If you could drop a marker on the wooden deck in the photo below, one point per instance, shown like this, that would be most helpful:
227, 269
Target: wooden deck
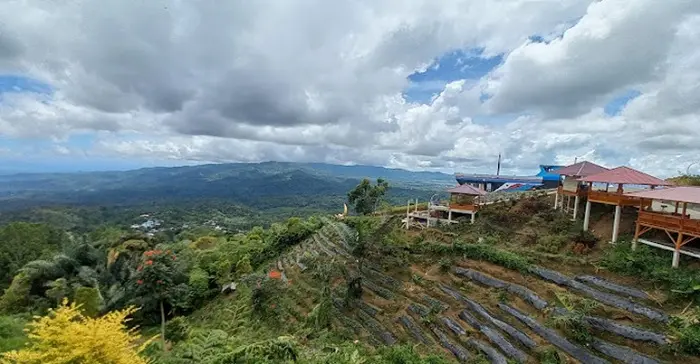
614, 198
673, 223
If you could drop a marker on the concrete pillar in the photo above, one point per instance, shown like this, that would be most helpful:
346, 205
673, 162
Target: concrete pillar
587, 216
408, 213
676, 258
616, 223
556, 200
449, 216
576, 201
473, 216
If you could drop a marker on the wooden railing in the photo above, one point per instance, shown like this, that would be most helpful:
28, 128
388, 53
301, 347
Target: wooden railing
614, 198
675, 223
581, 191
455, 206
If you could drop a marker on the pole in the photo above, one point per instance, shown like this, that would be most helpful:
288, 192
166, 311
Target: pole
498, 169
587, 216
616, 223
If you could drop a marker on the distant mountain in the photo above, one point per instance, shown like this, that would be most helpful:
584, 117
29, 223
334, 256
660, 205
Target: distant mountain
270, 184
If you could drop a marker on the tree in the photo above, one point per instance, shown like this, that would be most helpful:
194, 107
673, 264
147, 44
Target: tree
21, 243
157, 281
365, 197
65, 335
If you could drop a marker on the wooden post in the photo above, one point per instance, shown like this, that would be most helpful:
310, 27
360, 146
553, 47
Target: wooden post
556, 199
408, 213
587, 216
449, 215
636, 234
616, 223
416, 207
677, 205
576, 201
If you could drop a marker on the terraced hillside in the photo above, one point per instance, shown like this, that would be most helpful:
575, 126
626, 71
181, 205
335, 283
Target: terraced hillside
475, 302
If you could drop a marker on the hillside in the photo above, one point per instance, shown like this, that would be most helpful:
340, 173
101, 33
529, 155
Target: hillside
472, 293
523, 284
258, 193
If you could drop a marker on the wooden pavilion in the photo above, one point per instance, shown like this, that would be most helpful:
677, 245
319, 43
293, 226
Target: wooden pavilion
464, 199
570, 186
620, 176
681, 226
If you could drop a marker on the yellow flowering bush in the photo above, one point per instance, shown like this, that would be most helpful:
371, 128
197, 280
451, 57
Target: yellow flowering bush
66, 336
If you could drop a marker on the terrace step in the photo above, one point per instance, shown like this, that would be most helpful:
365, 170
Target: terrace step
553, 337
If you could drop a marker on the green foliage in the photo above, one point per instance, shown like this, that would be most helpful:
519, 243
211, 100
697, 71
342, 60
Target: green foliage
12, 334
686, 329
21, 242
573, 323
446, 264
89, 300
492, 254
365, 198
177, 330
264, 299
549, 355
406, 354
279, 350
551, 243
647, 264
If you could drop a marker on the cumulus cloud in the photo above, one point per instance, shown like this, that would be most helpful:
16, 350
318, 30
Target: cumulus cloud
312, 80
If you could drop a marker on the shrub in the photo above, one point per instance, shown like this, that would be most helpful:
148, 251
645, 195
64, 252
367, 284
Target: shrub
493, 255
551, 243
89, 300
176, 330
648, 265
446, 264
65, 335
12, 335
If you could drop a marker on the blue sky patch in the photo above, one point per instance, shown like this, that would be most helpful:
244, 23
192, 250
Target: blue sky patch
614, 107
452, 66
14, 83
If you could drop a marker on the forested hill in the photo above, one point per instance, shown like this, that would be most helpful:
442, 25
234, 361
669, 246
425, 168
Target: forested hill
255, 193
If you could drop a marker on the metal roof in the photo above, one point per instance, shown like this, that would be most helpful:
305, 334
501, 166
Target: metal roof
680, 194
467, 190
625, 176
581, 169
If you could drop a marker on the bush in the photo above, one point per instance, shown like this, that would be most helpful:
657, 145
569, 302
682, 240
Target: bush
12, 335
177, 330
493, 255
67, 336
645, 263
89, 299
446, 264
551, 243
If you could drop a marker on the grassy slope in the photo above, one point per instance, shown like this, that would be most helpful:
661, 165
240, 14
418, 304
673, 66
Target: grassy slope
515, 236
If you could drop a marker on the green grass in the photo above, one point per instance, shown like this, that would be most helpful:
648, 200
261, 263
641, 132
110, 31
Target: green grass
12, 335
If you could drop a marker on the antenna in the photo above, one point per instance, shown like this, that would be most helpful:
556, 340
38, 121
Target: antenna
498, 170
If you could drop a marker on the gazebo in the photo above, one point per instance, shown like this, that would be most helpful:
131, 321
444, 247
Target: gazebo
570, 186
464, 199
681, 226
620, 176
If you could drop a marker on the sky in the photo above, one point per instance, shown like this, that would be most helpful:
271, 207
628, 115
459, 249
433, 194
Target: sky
416, 84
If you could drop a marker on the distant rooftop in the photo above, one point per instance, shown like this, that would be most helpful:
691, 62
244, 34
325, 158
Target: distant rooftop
680, 194
581, 169
625, 176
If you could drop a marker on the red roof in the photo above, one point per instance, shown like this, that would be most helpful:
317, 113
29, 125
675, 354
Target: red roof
625, 176
581, 169
467, 189
681, 194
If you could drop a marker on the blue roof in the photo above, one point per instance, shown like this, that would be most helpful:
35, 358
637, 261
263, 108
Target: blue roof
548, 172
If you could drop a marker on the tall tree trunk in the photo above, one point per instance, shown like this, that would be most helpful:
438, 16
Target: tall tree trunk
162, 325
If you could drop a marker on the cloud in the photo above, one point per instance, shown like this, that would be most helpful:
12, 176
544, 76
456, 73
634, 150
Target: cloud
313, 80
